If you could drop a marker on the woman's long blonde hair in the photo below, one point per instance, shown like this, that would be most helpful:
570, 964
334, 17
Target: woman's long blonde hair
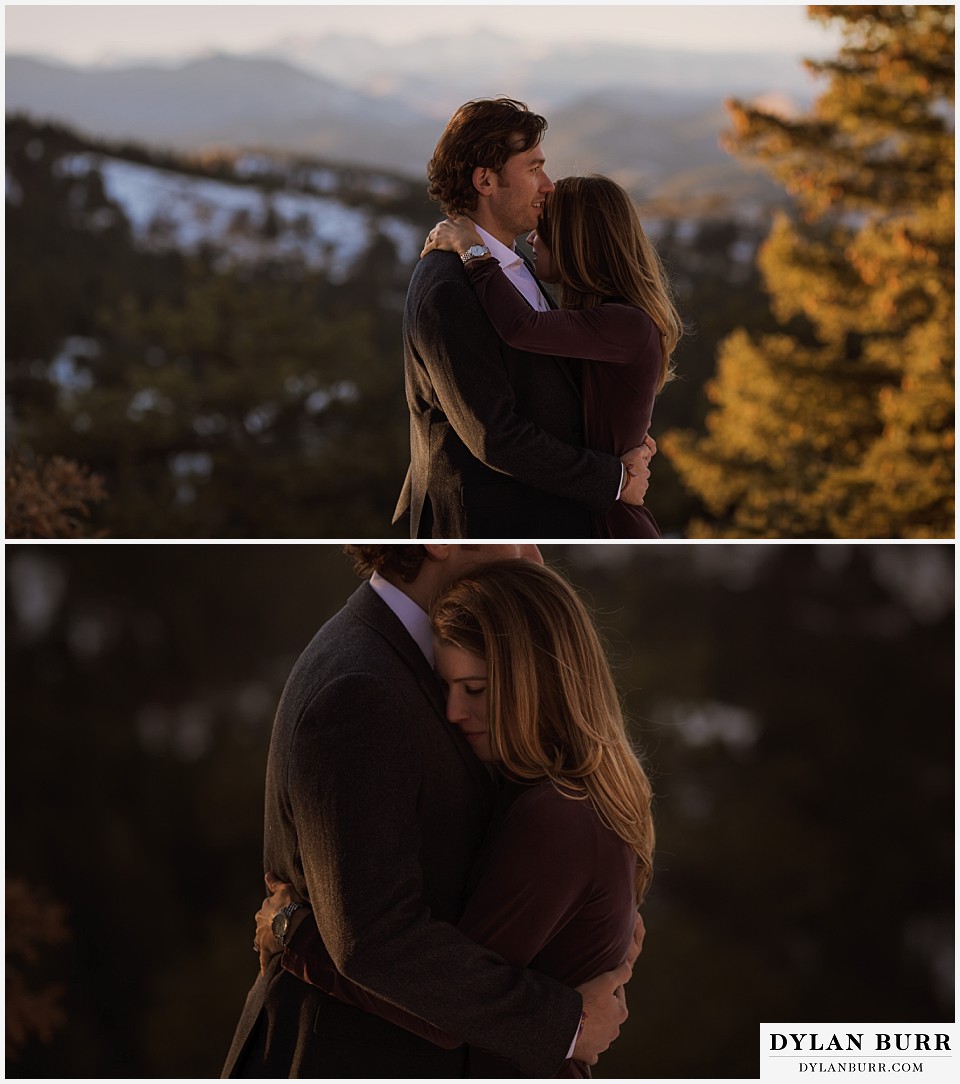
553, 709
601, 253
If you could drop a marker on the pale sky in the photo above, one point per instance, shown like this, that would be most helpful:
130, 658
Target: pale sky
84, 33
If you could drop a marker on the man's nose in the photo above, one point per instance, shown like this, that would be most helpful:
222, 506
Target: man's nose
546, 185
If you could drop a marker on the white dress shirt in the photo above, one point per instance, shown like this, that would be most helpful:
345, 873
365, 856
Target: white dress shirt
409, 614
516, 270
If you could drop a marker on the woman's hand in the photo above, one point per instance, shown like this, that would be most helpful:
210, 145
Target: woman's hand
636, 945
280, 895
452, 235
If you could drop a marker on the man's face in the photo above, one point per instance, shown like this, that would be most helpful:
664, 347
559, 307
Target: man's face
516, 199
482, 552
461, 559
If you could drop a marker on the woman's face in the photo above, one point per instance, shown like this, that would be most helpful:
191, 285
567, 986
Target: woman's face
465, 679
542, 260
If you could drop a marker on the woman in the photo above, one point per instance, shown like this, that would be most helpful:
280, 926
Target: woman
615, 312
570, 851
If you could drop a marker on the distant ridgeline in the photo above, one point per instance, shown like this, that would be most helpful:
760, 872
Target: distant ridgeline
248, 207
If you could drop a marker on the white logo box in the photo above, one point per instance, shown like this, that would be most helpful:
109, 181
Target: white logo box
804, 1053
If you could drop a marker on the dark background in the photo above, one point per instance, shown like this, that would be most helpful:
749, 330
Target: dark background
795, 704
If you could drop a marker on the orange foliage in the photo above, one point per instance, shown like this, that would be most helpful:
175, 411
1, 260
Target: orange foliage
33, 924
49, 498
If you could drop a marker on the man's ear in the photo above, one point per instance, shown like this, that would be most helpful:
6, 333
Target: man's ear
436, 551
483, 180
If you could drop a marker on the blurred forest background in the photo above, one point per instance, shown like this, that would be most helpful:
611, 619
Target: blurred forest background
207, 344
795, 704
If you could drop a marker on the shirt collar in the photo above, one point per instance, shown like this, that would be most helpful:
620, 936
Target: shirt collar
409, 614
506, 257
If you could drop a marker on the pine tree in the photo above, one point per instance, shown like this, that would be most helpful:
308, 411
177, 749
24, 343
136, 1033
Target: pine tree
842, 424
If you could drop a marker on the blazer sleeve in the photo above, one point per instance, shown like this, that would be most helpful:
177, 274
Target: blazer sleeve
534, 877
615, 333
306, 957
351, 759
461, 352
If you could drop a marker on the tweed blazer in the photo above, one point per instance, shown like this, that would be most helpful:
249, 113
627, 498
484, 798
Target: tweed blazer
554, 889
375, 811
496, 434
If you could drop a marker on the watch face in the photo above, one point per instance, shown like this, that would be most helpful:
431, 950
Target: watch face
279, 926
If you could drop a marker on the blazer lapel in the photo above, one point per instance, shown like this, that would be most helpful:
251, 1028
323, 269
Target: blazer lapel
372, 610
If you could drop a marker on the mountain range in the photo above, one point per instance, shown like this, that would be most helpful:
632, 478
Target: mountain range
435, 74
651, 118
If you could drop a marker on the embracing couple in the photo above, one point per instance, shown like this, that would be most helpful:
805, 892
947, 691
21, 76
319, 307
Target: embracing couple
457, 832
528, 420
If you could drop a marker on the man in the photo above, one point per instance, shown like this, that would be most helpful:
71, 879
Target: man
495, 433
375, 809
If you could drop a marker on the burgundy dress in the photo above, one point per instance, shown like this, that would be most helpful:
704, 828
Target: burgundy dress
553, 889
620, 346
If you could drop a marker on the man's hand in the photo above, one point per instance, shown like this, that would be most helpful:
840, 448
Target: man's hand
605, 1008
280, 895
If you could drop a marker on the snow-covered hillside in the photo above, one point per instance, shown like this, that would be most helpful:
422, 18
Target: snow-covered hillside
243, 222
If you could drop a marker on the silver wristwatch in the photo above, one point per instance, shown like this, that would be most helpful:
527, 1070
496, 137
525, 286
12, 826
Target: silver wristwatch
474, 252
281, 922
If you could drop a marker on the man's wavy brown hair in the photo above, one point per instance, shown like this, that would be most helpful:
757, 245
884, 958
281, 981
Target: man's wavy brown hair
484, 132
403, 560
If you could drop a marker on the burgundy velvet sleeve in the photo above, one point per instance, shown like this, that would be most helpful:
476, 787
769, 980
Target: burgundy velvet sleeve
537, 873
534, 876
611, 332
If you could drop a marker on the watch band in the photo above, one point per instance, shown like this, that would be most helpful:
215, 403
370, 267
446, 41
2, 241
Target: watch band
287, 912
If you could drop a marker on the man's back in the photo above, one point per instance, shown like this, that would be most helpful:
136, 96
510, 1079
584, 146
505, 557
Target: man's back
495, 433
359, 741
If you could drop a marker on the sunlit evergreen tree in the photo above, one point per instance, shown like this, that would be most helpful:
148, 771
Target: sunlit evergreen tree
842, 424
